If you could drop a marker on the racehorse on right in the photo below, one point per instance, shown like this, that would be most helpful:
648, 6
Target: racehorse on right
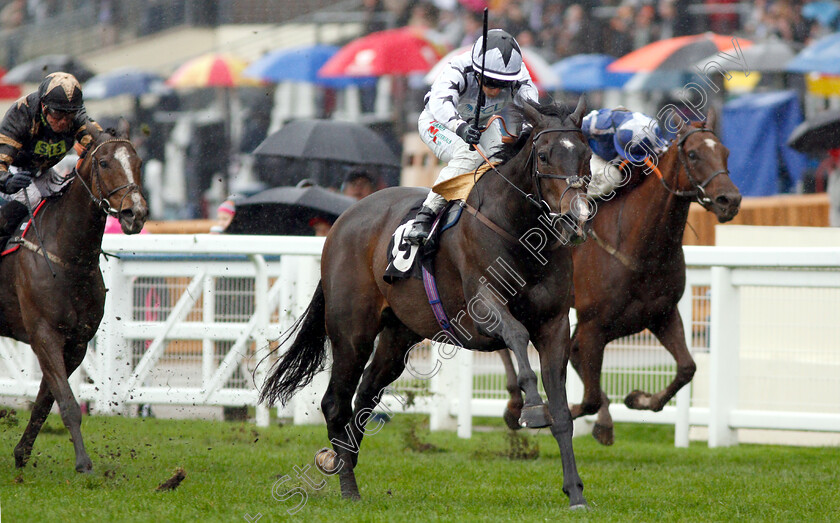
630, 276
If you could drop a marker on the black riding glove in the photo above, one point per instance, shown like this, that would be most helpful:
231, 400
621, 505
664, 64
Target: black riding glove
16, 181
468, 133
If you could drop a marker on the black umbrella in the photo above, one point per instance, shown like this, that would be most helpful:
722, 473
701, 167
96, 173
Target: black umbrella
818, 134
287, 210
33, 71
328, 140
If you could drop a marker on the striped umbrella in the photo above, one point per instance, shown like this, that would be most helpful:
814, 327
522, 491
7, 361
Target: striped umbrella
212, 70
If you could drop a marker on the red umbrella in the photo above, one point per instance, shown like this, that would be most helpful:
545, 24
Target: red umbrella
7, 91
398, 51
675, 54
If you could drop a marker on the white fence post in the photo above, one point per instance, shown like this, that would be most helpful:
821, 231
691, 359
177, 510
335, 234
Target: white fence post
724, 357
465, 392
307, 408
261, 332
442, 385
113, 350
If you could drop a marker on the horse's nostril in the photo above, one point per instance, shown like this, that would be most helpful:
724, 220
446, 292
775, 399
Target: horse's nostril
722, 201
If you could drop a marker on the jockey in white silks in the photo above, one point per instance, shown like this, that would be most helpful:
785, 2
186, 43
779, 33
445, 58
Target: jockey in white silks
615, 136
447, 123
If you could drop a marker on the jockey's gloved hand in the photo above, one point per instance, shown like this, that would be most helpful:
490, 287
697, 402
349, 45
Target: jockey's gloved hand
469, 133
14, 182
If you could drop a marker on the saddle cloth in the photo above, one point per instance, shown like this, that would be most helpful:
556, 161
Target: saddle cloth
403, 259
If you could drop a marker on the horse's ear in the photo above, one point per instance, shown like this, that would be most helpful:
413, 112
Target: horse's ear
682, 124
711, 118
577, 116
93, 130
124, 128
532, 114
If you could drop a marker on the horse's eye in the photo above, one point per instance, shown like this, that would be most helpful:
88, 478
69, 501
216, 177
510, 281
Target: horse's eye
103, 164
543, 157
693, 155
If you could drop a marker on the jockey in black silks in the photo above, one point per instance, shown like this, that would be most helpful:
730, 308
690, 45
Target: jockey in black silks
36, 133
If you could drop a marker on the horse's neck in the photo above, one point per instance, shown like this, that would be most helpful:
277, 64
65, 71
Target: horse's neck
75, 225
664, 214
503, 204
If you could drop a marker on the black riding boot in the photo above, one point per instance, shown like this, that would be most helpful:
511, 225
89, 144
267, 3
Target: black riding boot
422, 225
11, 214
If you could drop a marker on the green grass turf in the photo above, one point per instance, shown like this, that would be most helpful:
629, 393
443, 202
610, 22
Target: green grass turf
231, 467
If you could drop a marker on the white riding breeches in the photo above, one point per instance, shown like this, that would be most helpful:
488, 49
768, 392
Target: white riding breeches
450, 148
43, 186
606, 177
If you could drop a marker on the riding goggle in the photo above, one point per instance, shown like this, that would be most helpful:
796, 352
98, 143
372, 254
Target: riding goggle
61, 115
492, 83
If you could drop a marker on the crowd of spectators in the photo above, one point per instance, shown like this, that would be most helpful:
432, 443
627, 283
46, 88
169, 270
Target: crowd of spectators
559, 29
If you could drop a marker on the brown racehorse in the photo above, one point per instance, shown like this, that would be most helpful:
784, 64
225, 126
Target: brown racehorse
56, 306
353, 304
632, 275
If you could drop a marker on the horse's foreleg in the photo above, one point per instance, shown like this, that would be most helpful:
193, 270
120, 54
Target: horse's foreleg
535, 414
43, 404
553, 346
587, 358
51, 356
513, 410
671, 334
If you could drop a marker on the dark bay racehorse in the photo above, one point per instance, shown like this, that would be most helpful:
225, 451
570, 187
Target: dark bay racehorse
632, 275
352, 303
56, 307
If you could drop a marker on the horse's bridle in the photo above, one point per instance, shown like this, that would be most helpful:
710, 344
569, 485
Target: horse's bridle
573, 181
698, 189
102, 201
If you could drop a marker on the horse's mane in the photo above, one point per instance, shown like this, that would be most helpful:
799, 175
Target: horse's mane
558, 110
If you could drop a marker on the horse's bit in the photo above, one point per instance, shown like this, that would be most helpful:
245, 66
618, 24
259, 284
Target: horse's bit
102, 200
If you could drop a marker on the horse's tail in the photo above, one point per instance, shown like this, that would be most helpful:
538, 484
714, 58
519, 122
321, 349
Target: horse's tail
296, 368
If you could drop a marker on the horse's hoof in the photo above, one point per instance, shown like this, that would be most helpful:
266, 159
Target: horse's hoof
325, 460
349, 488
603, 434
84, 467
21, 457
535, 417
581, 506
637, 400
511, 420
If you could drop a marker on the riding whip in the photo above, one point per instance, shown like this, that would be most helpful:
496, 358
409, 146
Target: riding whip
480, 101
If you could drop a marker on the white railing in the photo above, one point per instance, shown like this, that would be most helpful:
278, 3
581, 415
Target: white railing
188, 317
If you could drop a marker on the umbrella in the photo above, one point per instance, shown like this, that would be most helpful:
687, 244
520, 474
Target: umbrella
826, 13
33, 71
541, 72
822, 56
674, 54
8, 91
287, 210
211, 70
769, 56
328, 140
300, 64
818, 134
587, 72
127, 80
399, 51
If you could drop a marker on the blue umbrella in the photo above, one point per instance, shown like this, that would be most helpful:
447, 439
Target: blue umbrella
822, 56
588, 72
824, 12
128, 80
300, 64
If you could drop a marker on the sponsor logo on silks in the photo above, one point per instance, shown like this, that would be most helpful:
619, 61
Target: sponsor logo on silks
43, 148
434, 129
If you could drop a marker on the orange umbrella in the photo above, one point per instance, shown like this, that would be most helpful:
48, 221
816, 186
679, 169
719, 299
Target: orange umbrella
675, 54
212, 70
399, 51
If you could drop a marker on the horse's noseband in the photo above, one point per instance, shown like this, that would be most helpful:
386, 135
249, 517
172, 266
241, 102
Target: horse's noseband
698, 188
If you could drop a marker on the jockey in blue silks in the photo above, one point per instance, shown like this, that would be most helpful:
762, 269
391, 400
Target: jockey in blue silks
617, 135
